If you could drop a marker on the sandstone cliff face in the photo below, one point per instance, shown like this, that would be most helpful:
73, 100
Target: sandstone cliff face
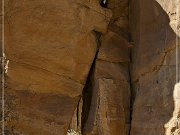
109, 113
97, 71
154, 72
50, 46
110, 105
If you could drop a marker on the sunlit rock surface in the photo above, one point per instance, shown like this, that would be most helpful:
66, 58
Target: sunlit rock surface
50, 46
78, 68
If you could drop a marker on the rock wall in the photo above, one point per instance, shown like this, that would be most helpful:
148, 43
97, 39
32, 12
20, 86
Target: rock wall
154, 64
110, 105
109, 112
75, 65
50, 46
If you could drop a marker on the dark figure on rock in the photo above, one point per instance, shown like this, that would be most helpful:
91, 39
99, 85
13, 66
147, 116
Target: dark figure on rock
104, 3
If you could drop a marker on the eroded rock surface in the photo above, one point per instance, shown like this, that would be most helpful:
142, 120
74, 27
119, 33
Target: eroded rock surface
50, 46
109, 112
110, 105
128, 52
154, 72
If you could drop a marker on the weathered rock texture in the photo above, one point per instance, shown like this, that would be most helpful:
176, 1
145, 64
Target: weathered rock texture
153, 73
109, 112
101, 71
50, 46
110, 105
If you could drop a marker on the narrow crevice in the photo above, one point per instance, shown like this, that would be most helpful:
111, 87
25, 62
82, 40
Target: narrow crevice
132, 96
132, 92
87, 91
87, 96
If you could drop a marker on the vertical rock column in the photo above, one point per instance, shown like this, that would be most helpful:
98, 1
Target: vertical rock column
109, 85
110, 104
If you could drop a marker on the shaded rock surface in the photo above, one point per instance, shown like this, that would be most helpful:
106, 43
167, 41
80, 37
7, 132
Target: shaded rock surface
109, 113
154, 69
109, 88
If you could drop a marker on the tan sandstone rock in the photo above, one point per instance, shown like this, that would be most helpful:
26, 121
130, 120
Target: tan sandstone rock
153, 71
110, 105
50, 46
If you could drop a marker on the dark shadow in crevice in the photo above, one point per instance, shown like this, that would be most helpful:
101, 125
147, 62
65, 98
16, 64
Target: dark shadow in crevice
104, 3
87, 96
87, 91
